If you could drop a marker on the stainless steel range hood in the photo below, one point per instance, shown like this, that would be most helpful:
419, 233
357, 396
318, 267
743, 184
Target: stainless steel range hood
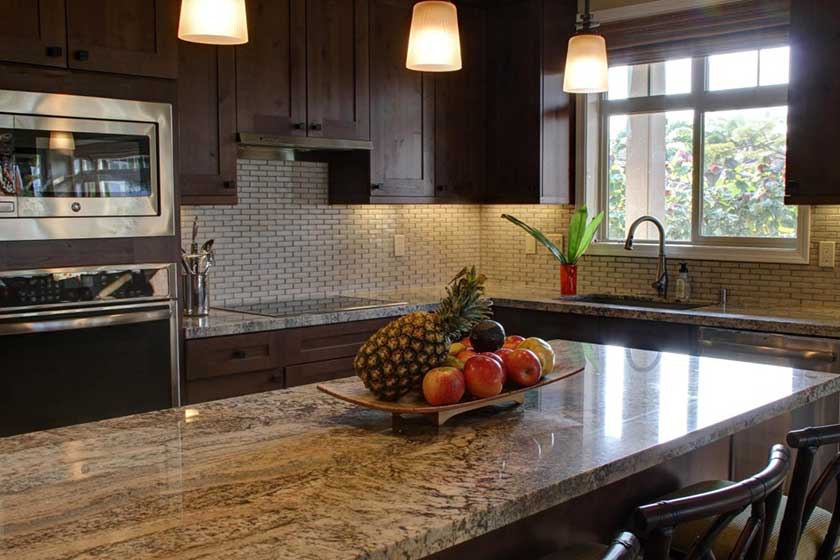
286, 147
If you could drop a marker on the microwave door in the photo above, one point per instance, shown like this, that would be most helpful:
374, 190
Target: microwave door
86, 168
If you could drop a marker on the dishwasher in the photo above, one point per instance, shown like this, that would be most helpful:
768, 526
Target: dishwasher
801, 352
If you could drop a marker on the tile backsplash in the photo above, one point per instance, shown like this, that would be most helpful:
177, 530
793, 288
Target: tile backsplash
283, 240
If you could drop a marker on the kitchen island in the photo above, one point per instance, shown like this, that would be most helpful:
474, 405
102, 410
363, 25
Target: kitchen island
297, 474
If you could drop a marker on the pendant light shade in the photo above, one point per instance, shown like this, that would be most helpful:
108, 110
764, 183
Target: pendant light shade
62, 141
586, 60
434, 44
586, 64
213, 22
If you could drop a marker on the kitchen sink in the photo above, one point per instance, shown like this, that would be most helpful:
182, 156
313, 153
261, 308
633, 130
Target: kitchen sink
631, 301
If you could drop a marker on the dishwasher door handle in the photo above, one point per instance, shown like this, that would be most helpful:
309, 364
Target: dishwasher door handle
818, 355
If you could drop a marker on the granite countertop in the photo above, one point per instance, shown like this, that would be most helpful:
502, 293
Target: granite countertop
822, 321
297, 474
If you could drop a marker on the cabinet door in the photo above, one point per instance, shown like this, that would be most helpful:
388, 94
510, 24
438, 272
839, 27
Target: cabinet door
33, 32
460, 131
207, 124
271, 69
814, 102
338, 88
513, 170
124, 36
402, 162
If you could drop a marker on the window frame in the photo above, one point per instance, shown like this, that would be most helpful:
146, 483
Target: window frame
594, 182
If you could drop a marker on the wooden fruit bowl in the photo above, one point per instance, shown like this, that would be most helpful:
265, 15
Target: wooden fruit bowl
413, 403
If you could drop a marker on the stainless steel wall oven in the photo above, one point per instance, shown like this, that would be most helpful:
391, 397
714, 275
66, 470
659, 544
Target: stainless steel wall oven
85, 344
82, 167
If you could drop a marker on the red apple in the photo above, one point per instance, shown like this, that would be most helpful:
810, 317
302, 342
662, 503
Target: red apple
484, 377
499, 359
466, 342
443, 385
513, 341
465, 355
523, 367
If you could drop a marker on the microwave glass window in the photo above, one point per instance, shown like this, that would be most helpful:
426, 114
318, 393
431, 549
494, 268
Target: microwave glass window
55, 164
9, 179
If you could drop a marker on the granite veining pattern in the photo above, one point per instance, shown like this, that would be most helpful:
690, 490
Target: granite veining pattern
297, 474
816, 321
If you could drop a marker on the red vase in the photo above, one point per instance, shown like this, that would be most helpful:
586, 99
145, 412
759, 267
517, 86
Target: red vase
568, 279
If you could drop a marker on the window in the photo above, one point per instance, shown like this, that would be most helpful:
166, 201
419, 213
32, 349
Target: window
699, 143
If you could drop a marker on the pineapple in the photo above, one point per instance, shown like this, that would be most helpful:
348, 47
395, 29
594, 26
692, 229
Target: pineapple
394, 360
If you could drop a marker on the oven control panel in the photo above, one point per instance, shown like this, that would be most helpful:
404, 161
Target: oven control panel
39, 288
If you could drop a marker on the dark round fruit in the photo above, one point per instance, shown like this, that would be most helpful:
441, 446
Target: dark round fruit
487, 336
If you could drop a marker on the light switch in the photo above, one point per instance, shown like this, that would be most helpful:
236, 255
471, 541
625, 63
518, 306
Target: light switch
530, 245
399, 245
827, 254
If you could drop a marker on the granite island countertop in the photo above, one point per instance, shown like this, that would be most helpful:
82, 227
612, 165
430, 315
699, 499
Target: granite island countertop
297, 474
817, 321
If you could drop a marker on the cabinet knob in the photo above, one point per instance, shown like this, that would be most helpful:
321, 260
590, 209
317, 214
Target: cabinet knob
376, 186
229, 184
55, 52
239, 355
299, 126
441, 188
315, 126
82, 55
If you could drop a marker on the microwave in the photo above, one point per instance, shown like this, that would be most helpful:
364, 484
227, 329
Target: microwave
74, 167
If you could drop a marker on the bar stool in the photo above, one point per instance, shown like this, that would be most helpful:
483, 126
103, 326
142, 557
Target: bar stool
714, 506
806, 532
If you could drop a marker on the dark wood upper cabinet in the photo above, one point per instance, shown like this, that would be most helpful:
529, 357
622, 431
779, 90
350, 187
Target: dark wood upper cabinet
207, 124
531, 120
460, 115
813, 177
137, 37
34, 32
402, 110
271, 69
337, 69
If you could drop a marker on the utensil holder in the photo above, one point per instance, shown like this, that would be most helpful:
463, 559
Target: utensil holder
196, 294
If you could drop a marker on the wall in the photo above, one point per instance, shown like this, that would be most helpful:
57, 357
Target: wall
283, 240
503, 260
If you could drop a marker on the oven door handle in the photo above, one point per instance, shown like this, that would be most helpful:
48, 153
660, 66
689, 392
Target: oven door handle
89, 322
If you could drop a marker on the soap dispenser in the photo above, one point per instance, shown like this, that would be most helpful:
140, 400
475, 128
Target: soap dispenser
683, 289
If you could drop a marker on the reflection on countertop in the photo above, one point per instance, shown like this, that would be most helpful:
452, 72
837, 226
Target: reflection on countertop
822, 321
297, 474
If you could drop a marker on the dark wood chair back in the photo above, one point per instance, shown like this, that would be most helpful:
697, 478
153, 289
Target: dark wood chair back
802, 500
761, 493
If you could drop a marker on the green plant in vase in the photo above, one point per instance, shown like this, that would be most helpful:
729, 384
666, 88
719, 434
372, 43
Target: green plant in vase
581, 233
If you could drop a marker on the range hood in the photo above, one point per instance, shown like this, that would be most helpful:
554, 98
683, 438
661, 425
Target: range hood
301, 143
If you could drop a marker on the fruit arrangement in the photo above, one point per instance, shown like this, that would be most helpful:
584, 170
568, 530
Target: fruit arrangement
452, 354
482, 364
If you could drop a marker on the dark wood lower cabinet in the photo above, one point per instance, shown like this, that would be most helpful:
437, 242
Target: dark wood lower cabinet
230, 366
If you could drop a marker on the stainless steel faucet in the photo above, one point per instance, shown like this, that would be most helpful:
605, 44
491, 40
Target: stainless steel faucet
661, 283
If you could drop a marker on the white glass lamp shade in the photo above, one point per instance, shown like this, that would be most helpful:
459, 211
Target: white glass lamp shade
586, 64
60, 140
434, 44
213, 22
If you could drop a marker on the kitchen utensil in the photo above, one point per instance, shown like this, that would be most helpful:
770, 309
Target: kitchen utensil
194, 242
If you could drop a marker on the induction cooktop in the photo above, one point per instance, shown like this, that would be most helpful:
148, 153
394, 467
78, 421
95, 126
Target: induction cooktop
312, 306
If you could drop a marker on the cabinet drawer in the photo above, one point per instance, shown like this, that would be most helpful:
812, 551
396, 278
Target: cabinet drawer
317, 372
328, 342
210, 389
227, 355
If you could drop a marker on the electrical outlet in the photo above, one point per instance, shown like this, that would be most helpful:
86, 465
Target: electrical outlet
399, 245
827, 254
530, 245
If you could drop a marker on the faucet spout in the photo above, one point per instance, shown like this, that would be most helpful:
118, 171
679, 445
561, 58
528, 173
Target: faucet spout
661, 282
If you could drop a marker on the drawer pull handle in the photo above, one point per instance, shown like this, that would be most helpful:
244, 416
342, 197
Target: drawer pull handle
55, 52
82, 56
239, 355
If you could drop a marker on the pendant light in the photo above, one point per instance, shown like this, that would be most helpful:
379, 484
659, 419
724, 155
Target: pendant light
213, 22
62, 141
434, 44
586, 60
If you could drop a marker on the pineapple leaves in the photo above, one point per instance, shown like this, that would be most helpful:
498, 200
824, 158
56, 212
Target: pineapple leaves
464, 304
538, 235
580, 236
